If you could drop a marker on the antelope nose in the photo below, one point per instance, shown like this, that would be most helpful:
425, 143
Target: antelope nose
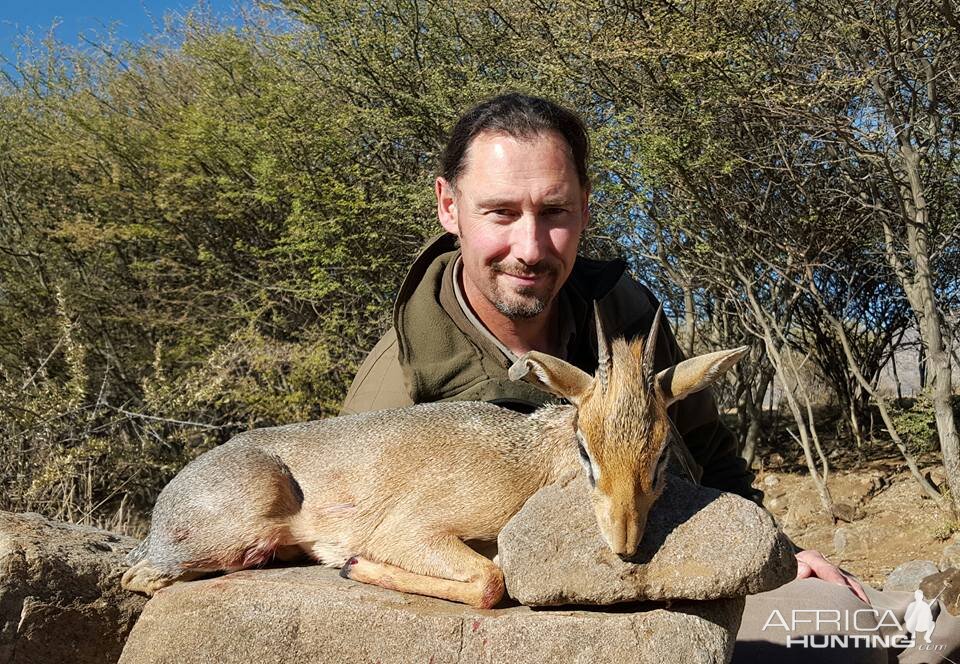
627, 552
623, 547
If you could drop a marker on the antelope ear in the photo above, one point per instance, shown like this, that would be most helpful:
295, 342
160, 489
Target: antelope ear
552, 374
696, 373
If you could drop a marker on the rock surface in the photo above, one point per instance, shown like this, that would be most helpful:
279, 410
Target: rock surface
950, 556
310, 614
699, 544
944, 586
841, 540
60, 596
909, 575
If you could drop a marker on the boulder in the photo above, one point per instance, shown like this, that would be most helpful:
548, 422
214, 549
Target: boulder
841, 540
944, 586
699, 544
909, 575
777, 504
60, 596
950, 556
310, 614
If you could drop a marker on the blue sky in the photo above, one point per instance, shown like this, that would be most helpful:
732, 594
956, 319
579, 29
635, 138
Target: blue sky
132, 19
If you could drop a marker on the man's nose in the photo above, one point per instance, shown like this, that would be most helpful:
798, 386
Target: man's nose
528, 242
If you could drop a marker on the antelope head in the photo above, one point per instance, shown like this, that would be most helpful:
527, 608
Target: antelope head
622, 428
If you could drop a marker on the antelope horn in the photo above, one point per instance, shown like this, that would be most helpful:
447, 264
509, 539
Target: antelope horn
649, 347
604, 362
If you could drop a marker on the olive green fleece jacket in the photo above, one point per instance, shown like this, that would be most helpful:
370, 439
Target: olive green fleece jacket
434, 352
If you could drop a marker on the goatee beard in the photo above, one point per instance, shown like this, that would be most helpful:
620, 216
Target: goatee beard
523, 310
524, 303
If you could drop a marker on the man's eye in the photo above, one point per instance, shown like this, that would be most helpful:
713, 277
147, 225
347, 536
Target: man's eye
555, 210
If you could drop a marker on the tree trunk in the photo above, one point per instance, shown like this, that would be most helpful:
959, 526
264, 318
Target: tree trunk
938, 363
753, 406
880, 402
922, 298
896, 376
803, 433
855, 428
689, 321
918, 285
882, 407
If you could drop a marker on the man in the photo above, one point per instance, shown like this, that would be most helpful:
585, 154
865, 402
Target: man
513, 197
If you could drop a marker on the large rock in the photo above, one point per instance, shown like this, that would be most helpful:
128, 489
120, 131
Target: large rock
60, 596
699, 544
950, 557
907, 577
310, 614
944, 586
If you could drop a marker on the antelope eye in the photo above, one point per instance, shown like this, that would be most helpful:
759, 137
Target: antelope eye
661, 466
585, 460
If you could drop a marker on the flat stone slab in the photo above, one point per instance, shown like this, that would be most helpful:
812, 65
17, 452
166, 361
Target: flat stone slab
699, 544
60, 596
310, 614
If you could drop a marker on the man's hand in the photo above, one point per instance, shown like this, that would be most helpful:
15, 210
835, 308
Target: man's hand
812, 564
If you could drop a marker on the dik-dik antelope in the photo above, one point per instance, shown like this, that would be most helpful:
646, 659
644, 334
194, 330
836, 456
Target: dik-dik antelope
390, 496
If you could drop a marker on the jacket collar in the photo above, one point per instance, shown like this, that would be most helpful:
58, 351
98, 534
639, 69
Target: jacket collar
439, 363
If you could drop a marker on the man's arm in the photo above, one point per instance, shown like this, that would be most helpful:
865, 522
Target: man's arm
379, 383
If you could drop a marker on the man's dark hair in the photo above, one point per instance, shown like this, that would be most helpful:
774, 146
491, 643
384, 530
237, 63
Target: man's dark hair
520, 116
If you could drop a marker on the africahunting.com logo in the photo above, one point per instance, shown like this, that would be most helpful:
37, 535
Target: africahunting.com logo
861, 628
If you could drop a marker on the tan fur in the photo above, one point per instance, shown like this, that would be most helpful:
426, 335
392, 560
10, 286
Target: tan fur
391, 496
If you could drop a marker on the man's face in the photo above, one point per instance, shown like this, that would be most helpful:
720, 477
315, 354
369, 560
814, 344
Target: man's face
519, 210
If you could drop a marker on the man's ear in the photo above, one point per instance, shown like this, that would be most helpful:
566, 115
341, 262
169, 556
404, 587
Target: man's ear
553, 375
586, 208
446, 206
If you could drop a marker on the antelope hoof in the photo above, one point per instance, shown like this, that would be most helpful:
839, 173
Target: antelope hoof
347, 566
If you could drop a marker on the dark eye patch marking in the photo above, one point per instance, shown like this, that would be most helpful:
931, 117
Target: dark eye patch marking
585, 460
662, 463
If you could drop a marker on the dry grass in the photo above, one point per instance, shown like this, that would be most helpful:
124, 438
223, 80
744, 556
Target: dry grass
68, 454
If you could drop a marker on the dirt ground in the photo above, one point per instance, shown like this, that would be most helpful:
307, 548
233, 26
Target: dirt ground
886, 518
